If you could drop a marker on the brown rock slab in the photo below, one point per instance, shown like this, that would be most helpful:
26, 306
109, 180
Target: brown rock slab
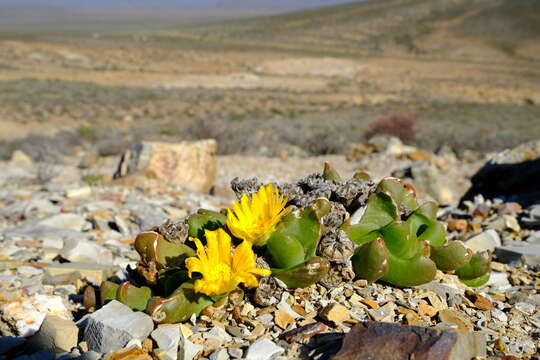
478, 300
390, 341
335, 312
189, 163
282, 319
56, 334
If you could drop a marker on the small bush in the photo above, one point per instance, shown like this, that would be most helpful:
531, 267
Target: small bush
401, 125
88, 133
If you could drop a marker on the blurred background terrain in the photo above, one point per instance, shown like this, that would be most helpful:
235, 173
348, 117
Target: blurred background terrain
273, 78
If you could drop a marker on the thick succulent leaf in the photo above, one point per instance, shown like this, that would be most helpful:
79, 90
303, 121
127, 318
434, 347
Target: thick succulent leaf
297, 236
476, 282
179, 307
427, 228
154, 248
410, 272
478, 266
134, 297
107, 291
379, 212
205, 220
362, 175
284, 251
169, 280
400, 241
305, 274
402, 195
329, 173
450, 256
370, 261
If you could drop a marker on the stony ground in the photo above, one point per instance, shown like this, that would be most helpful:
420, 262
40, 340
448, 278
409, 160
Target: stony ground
59, 235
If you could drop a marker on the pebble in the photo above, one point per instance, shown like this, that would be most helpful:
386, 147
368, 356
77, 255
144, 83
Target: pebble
487, 240
167, 338
263, 349
335, 312
66, 221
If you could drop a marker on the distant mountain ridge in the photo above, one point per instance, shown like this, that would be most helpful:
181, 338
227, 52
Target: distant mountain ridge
174, 4
279, 4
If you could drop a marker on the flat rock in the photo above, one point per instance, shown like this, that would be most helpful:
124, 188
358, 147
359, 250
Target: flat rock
529, 253
263, 349
377, 340
96, 273
65, 221
189, 163
487, 240
114, 325
86, 251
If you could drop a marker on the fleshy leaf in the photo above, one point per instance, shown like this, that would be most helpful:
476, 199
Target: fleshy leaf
450, 256
370, 260
178, 307
304, 274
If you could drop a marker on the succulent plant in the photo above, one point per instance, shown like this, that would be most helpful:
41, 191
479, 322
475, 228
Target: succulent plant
402, 243
321, 229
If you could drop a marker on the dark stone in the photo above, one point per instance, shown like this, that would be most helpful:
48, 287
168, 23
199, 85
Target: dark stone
379, 340
512, 175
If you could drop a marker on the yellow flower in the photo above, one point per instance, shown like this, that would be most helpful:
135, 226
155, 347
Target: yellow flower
221, 270
255, 220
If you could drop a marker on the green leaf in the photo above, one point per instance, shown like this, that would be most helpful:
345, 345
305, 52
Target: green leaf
478, 266
476, 282
400, 241
134, 297
107, 291
152, 247
379, 212
410, 272
401, 195
205, 220
297, 236
305, 274
451, 256
284, 251
329, 173
179, 307
370, 261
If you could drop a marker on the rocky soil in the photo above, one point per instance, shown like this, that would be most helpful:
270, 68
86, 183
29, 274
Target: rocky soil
66, 227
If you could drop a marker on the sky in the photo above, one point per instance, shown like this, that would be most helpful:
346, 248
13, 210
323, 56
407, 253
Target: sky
164, 3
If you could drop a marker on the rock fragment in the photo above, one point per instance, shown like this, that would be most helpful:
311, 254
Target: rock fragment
487, 240
114, 325
335, 312
375, 340
55, 334
263, 349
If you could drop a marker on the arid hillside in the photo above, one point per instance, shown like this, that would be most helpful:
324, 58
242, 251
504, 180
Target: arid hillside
467, 71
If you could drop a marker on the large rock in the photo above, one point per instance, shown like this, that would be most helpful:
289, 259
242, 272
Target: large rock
379, 340
114, 325
56, 334
512, 174
190, 164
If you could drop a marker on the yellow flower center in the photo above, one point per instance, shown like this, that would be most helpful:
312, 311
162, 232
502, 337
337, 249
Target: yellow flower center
222, 270
254, 220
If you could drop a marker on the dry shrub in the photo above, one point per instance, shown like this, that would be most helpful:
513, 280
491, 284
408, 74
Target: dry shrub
402, 125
